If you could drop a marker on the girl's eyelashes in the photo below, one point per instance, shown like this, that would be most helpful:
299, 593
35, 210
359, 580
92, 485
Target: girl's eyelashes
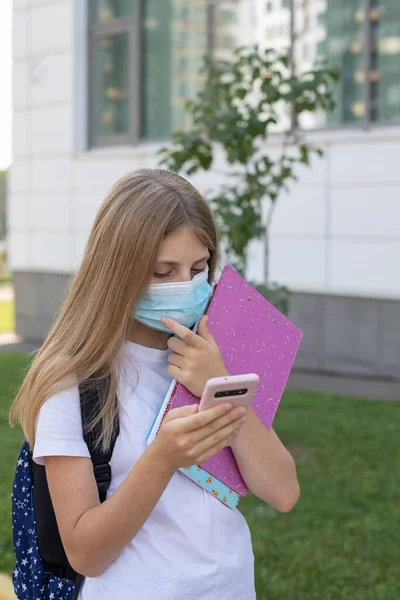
170, 273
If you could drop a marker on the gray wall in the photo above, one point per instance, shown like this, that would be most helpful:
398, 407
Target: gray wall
357, 336
3, 195
38, 297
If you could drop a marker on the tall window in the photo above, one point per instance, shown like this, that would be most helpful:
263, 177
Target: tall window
362, 39
225, 29
144, 61
385, 61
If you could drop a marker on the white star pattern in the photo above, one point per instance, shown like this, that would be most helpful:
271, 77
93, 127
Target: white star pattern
30, 576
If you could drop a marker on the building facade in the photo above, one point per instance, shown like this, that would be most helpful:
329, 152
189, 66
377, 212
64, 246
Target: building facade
98, 87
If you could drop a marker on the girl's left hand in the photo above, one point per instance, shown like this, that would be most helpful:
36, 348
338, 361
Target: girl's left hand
195, 358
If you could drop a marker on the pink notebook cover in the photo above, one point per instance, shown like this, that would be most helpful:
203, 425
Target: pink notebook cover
253, 337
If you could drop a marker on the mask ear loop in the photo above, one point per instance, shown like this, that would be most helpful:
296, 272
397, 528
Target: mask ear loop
195, 326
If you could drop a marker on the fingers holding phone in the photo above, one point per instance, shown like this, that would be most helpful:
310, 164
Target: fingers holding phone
188, 437
237, 389
192, 435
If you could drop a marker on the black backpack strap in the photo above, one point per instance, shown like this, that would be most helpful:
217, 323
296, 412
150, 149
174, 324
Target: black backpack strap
91, 396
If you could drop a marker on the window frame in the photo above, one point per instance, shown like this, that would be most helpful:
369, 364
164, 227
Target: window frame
129, 25
367, 122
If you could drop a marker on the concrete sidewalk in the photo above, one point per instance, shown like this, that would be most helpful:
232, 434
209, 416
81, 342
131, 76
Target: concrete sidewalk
298, 380
343, 385
10, 342
6, 293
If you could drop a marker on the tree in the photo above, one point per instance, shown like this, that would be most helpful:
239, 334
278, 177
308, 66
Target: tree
235, 113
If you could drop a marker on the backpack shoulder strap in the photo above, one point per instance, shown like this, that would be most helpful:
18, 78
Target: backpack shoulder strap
90, 397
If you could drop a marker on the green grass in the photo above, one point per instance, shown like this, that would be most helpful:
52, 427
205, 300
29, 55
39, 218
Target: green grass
6, 316
342, 541
5, 276
11, 370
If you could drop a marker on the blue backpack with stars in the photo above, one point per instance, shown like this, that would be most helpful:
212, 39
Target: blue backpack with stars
42, 570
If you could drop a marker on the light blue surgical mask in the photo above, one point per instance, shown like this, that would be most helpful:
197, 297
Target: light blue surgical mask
184, 302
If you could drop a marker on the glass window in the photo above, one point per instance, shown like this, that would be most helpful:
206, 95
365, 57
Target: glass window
111, 85
156, 70
344, 47
277, 37
145, 57
362, 39
146, 54
226, 32
171, 57
384, 73
101, 11
227, 14
334, 31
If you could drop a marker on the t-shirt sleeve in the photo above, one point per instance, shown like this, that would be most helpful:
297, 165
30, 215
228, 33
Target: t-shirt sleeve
59, 427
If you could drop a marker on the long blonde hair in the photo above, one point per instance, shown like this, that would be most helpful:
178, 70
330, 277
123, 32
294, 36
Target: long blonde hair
141, 209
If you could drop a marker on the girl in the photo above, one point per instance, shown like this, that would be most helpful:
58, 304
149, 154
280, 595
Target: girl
158, 535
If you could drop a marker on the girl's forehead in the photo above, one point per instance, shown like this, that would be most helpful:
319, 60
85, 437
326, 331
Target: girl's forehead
182, 244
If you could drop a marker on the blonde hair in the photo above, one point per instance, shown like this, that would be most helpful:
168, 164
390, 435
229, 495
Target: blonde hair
141, 208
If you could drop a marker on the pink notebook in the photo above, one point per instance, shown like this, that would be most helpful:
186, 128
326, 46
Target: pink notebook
253, 337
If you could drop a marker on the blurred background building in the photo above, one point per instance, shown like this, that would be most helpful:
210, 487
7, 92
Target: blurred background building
100, 84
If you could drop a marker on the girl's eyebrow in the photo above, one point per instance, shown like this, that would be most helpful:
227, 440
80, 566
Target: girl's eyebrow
171, 263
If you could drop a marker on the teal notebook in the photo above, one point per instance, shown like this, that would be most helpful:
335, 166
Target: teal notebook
218, 489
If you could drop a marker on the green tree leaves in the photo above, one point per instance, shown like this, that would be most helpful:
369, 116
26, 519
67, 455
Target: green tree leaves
235, 114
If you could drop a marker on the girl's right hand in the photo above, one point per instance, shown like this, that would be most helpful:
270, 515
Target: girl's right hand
189, 437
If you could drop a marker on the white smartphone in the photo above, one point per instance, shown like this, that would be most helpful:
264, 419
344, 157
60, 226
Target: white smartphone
236, 389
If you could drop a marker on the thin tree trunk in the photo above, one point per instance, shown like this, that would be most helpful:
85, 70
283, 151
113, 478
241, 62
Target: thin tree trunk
266, 256
266, 241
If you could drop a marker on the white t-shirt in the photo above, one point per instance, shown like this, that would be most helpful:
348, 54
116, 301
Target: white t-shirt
192, 547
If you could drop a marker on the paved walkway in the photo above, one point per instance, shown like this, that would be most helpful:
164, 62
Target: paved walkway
346, 385
6, 293
333, 384
10, 342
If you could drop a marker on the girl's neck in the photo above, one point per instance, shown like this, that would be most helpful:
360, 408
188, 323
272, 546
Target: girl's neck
150, 338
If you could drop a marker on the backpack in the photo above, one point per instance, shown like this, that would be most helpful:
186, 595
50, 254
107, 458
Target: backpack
42, 571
